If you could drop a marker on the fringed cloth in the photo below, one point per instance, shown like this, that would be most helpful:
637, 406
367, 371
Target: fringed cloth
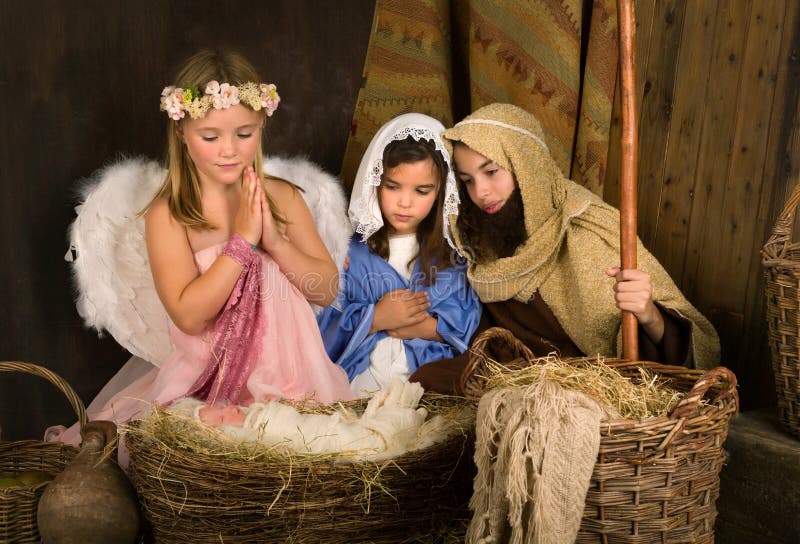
237, 333
535, 450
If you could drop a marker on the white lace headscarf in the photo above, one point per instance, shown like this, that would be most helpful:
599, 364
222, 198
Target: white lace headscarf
365, 210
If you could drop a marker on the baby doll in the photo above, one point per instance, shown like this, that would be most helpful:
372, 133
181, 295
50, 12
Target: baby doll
392, 424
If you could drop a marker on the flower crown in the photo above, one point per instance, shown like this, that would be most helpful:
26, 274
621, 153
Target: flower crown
177, 101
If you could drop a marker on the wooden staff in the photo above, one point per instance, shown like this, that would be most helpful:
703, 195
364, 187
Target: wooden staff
628, 163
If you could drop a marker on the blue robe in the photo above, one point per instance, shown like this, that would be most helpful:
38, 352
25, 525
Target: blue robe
345, 324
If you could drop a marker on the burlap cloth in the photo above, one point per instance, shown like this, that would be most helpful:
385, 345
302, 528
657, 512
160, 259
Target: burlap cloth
535, 449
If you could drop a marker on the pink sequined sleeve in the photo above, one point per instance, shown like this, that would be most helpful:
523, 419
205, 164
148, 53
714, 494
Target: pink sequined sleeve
237, 333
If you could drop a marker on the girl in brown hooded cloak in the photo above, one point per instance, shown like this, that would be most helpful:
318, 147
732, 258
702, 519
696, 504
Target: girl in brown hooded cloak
544, 258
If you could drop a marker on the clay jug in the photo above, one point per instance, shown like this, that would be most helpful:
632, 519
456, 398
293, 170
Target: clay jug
91, 500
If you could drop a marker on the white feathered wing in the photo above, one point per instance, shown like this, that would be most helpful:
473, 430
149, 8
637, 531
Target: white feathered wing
109, 255
109, 259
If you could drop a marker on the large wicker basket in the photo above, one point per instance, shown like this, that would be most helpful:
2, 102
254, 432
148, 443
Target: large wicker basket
656, 480
781, 261
199, 497
18, 504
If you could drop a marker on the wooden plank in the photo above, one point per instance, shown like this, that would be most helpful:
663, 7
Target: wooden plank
656, 111
685, 130
645, 18
781, 172
745, 182
782, 164
716, 143
739, 257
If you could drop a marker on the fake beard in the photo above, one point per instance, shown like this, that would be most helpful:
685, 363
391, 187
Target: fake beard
493, 236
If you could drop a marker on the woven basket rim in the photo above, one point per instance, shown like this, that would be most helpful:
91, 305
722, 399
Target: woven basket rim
662, 370
780, 241
719, 381
60, 383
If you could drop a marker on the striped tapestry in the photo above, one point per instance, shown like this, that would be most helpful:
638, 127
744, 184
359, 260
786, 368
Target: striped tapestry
448, 58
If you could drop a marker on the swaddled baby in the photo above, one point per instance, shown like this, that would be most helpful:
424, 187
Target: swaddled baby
392, 424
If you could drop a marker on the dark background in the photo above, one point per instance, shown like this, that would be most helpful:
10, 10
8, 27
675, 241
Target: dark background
79, 87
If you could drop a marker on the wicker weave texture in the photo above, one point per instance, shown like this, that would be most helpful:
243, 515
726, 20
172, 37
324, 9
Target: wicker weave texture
656, 480
197, 497
781, 261
18, 504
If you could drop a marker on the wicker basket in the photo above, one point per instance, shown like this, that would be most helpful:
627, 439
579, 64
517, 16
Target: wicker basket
656, 480
191, 496
18, 504
781, 261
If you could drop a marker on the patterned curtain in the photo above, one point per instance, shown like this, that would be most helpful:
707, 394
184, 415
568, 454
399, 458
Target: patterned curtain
446, 58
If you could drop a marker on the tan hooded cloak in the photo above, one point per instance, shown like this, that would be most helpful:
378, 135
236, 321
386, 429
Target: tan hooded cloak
573, 237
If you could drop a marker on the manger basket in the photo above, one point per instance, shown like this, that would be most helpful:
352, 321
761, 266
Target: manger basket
199, 497
18, 504
781, 262
656, 479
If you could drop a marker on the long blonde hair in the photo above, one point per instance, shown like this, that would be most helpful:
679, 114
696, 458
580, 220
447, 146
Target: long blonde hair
181, 186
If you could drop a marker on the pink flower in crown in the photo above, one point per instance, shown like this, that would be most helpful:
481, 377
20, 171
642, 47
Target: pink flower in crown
230, 95
168, 90
269, 98
173, 103
177, 97
178, 101
212, 87
176, 112
217, 101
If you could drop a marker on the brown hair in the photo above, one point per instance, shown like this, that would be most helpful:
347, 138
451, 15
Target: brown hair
181, 186
433, 253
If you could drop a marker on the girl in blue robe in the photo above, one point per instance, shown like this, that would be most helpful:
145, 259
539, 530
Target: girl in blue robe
404, 300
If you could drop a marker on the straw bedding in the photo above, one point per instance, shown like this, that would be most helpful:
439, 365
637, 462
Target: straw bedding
196, 485
640, 395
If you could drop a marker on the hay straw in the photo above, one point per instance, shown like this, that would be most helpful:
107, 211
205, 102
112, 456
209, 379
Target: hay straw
186, 433
642, 397
197, 484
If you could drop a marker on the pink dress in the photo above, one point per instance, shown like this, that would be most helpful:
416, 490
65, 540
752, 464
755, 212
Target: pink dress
292, 363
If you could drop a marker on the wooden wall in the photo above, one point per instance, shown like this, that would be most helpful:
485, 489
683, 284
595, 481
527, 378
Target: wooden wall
719, 151
79, 85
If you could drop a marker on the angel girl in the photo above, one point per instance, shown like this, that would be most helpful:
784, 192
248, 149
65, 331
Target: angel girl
234, 254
